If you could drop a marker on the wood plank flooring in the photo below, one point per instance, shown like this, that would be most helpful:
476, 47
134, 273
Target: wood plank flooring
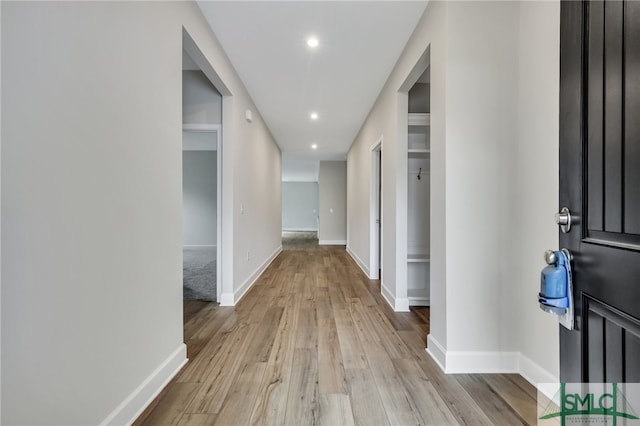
314, 343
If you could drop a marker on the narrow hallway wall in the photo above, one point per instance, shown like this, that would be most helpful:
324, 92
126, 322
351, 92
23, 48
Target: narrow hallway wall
91, 197
332, 184
536, 200
480, 96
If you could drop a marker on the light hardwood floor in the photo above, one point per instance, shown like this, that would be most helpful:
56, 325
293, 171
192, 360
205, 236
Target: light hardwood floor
313, 342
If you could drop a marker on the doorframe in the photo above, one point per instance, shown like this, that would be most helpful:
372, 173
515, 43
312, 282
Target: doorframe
402, 186
217, 129
224, 280
376, 202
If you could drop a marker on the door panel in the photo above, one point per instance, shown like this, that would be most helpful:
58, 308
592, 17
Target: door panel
632, 350
595, 130
609, 142
600, 183
606, 332
632, 127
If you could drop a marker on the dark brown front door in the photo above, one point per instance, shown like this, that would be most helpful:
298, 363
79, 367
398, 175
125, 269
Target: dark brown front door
600, 184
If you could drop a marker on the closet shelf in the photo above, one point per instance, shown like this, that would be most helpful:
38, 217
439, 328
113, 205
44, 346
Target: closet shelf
419, 119
418, 258
419, 152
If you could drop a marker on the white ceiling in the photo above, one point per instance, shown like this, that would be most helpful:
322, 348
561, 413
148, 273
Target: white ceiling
360, 42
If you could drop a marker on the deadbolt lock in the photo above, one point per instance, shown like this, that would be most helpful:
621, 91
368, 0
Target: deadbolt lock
563, 219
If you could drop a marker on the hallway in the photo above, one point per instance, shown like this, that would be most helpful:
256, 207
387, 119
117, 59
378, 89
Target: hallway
93, 210
313, 342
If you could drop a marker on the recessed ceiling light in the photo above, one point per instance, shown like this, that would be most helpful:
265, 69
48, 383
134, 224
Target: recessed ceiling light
314, 115
312, 42
314, 146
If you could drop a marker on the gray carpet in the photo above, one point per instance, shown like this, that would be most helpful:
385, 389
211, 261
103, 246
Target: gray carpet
199, 273
299, 240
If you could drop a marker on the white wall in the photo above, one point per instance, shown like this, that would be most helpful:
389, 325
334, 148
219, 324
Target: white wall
481, 96
201, 102
418, 209
199, 198
0, 223
300, 206
536, 198
494, 76
91, 196
419, 97
257, 201
332, 183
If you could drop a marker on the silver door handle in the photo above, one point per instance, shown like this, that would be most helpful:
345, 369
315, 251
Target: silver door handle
563, 219
550, 256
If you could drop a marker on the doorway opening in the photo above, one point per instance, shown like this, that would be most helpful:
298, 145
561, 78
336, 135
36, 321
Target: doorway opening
413, 268
300, 202
201, 225
201, 182
375, 259
206, 110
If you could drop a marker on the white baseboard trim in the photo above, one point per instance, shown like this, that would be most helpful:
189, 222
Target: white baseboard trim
402, 304
300, 229
359, 262
199, 246
129, 410
538, 376
397, 304
436, 351
332, 242
228, 299
419, 301
386, 294
460, 362
481, 362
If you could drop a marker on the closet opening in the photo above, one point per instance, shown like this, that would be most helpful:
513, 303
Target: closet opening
418, 193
